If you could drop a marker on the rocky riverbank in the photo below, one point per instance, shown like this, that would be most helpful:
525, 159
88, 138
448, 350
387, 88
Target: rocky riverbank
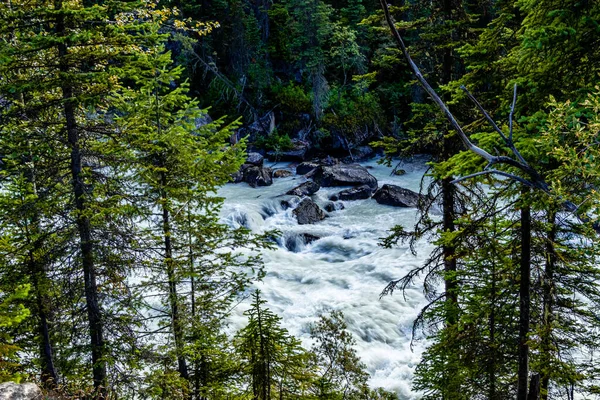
325, 172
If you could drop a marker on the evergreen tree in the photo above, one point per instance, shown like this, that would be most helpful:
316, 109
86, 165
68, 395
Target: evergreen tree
272, 359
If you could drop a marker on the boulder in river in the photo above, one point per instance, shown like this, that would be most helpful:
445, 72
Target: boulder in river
257, 176
24, 391
282, 173
306, 189
255, 159
355, 193
306, 167
397, 196
334, 206
308, 212
344, 175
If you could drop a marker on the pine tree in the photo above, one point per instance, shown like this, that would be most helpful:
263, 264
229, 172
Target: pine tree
273, 361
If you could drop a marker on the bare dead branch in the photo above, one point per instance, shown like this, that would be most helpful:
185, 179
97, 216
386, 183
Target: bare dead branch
535, 181
494, 172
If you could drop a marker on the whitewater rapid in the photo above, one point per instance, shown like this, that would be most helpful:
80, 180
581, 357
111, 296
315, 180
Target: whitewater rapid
345, 269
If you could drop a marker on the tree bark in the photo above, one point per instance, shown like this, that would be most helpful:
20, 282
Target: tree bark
524, 299
548, 303
534, 388
172, 281
83, 223
37, 271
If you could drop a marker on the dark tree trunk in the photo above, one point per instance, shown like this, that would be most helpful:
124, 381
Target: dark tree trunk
548, 299
534, 388
172, 281
37, 271
83, 224
524, 300
492, 327
48, 375
449, 195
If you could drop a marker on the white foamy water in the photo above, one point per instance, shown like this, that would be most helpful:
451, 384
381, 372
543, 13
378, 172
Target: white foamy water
344, 270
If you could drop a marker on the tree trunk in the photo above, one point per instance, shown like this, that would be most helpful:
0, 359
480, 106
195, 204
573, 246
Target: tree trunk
172, 281
37, 271
548, 299
492, 327
449, 195
48, 375
524, 300
83, 224
534, 388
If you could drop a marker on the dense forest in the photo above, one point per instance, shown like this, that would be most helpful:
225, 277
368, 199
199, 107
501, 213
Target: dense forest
120, 119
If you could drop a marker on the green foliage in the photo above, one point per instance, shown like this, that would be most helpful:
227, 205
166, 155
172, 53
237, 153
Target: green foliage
273, 361
12, 313
276, 141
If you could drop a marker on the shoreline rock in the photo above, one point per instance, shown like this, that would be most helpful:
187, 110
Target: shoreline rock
397, 196
344, 175
305, 189
355, 193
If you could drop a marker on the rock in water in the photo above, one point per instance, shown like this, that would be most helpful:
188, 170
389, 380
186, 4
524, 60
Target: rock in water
281, 173
25, 391
305, 189
257, 176
306, 167
308, 212
344, 175
255, 159
331, 206
396, 196
356, 193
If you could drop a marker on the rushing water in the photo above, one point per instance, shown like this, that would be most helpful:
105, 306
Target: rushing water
344, 270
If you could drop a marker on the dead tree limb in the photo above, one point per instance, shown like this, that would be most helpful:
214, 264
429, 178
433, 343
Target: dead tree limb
535, 180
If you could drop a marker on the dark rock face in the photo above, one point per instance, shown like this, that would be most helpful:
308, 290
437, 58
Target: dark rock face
331, 206
257, 176
344, 175
329, 161
360, 153
281, 173
306, 167
396, 196
355, 193
308, 212
255, 159
305, 189
297, 153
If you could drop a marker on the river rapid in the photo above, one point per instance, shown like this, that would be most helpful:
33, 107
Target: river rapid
345, 269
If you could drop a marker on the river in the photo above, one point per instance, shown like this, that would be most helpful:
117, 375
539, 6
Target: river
345, 269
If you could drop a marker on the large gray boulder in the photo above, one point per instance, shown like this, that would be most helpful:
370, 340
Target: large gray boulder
344, 175
306, 189
397, 196
25, 391
308, 212
306, 167
255, 159
355, 193
257, 176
